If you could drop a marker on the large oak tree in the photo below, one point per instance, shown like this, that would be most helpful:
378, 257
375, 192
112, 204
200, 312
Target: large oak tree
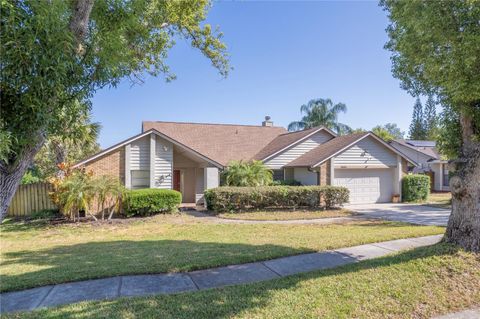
436, 50
57, 52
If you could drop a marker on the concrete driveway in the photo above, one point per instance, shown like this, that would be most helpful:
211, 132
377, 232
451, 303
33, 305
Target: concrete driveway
409, 213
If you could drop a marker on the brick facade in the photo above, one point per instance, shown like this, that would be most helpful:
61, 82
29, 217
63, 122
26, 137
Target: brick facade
112, 164
324, 178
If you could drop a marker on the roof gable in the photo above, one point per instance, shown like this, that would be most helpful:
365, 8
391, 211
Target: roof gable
288, 140
335, 146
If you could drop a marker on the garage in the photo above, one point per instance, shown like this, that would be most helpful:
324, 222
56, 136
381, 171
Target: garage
366, 185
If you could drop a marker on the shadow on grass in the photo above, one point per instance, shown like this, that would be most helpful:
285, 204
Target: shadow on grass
125, 257
239, 300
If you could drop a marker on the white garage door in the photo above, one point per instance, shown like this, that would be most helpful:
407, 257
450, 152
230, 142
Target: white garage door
366, 185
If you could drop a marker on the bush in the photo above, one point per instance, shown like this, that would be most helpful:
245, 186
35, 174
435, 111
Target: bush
240, 173
45, 214
286, 182
223, 199
415, 187
145, 202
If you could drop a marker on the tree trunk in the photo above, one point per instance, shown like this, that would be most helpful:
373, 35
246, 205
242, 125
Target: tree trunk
79, 21
464, 224
11, 174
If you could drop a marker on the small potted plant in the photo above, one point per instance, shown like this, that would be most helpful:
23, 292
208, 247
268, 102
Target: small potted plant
396, 198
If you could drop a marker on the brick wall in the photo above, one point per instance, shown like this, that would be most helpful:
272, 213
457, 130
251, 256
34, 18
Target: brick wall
325, 173
112, 164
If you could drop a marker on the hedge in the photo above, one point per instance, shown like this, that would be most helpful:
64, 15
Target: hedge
415, 187
145, 202
233, 199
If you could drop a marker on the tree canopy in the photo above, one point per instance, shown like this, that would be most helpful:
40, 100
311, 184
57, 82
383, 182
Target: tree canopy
321, 112
388, 132
435, 49
55, 53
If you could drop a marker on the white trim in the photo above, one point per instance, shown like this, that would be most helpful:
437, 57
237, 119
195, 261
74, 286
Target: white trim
153, 142
361, 138
298, 141
136, 137
128, 176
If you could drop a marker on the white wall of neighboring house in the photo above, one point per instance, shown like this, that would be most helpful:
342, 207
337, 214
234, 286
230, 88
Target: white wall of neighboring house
288, 155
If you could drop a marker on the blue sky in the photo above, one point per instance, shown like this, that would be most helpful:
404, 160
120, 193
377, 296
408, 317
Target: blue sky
283, 54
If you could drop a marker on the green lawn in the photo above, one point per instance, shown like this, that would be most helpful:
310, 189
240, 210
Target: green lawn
443, 200
40, 255
415, 284
287, 215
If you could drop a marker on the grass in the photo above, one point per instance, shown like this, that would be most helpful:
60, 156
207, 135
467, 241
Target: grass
442, 200
36, 254
420, 283
287, 215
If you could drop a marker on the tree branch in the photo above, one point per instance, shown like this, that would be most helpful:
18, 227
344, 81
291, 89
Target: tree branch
79, 21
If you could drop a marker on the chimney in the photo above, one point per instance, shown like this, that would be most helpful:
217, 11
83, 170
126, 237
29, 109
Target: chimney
267, 121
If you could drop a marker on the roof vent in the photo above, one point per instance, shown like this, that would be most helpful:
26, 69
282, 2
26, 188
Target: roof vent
267, 121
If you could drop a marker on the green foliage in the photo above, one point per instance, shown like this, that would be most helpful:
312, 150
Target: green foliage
449, 130
286, 182
237, 199
321, 112
47, 69
388, 132
241, 173
415, 187
431, 119
145, 202
435, 50
74, 139
417, 127
45, 214
31, 177
108, 192
74, 194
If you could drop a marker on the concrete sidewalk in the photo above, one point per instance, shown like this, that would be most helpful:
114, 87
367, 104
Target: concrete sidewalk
141, 285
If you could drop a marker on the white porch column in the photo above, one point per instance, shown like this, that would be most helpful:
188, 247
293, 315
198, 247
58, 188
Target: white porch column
128, 177
210, 177
153, 142
397, 180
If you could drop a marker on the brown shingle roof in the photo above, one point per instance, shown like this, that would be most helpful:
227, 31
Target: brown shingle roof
284, 140
326, 150
219, 142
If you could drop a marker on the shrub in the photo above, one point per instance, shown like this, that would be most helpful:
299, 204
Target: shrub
223, 199
145, 202
240, 173
286, 182
415, 187
45, 214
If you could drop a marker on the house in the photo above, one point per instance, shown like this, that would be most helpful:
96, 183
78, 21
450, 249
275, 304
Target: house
189, 157
429, 161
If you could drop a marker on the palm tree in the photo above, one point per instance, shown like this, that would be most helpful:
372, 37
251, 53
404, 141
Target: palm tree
254, 173
108, 193
76, 194
321, 112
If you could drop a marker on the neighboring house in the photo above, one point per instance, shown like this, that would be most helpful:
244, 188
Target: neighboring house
189, 157
429, 161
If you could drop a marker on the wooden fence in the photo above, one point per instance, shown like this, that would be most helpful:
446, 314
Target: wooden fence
30, 198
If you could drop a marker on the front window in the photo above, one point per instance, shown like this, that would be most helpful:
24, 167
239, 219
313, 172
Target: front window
446, 176
278, 175
140, 179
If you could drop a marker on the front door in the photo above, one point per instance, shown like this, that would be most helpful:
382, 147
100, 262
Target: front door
176, 180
